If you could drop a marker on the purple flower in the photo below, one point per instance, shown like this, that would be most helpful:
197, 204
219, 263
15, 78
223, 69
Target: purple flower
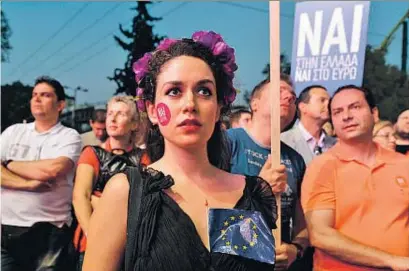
219, 48
140, 67
165, 44
229, 69
230, 96
139, 92
230, 54
225, 54
198, 34
140, 103
207, 38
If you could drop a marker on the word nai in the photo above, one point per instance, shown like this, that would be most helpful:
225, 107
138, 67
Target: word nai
335, 36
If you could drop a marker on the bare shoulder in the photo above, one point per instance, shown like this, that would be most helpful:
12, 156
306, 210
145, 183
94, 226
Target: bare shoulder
118, 185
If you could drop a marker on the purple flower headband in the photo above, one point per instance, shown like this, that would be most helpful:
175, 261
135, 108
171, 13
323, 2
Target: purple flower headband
211, 40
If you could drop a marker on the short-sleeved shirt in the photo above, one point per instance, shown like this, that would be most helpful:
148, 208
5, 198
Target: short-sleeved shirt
89, 157
21, 142
89, 138
248, 157
371, 204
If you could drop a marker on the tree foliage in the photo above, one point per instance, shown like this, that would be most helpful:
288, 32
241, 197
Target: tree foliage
15, 104
137, 41
247, 96
285, 66
5, 36
388, 84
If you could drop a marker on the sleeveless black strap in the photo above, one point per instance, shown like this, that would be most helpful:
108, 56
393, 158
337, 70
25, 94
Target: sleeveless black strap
134, 207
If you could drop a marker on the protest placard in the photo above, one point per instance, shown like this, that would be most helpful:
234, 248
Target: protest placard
329, 43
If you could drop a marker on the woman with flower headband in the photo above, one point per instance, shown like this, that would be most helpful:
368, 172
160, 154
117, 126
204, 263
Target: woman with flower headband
184, 85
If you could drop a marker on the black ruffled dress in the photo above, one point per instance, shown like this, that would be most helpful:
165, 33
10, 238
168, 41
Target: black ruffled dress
165, 238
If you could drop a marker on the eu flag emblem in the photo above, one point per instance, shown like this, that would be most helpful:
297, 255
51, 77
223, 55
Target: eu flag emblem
242, 233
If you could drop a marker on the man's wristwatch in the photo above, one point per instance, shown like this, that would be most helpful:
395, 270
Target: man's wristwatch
300, 250
5, 163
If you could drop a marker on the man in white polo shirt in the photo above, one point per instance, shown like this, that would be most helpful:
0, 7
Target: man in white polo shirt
38, 162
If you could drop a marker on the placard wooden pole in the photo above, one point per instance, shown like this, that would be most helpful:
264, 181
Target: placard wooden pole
275, 100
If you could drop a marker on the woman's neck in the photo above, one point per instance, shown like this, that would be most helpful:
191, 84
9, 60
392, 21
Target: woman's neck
122, 143
312, 127
259, 129
183, 163
44, 125
363, 151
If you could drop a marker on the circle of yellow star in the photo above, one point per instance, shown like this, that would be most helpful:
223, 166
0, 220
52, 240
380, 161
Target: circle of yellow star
253, 226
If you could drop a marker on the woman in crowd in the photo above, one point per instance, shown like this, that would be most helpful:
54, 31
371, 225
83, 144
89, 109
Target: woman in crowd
185, 86
384, 134
97, 164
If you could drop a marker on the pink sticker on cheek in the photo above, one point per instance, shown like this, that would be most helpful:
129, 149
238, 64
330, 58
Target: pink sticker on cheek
163, 113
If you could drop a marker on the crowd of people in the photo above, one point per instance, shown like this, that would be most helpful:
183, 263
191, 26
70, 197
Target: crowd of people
135, 193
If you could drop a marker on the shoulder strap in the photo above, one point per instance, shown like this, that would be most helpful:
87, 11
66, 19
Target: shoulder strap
135, 155
134, 207
99, 152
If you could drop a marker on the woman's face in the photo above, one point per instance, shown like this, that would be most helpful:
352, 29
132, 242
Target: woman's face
119, 121
185, 108
386, 138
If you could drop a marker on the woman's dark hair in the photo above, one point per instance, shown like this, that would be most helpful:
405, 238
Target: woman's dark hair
217, 147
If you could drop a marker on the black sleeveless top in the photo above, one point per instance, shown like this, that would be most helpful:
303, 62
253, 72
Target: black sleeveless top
111, 164
165, 238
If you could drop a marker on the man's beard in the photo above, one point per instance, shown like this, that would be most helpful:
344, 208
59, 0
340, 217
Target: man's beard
402, 134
